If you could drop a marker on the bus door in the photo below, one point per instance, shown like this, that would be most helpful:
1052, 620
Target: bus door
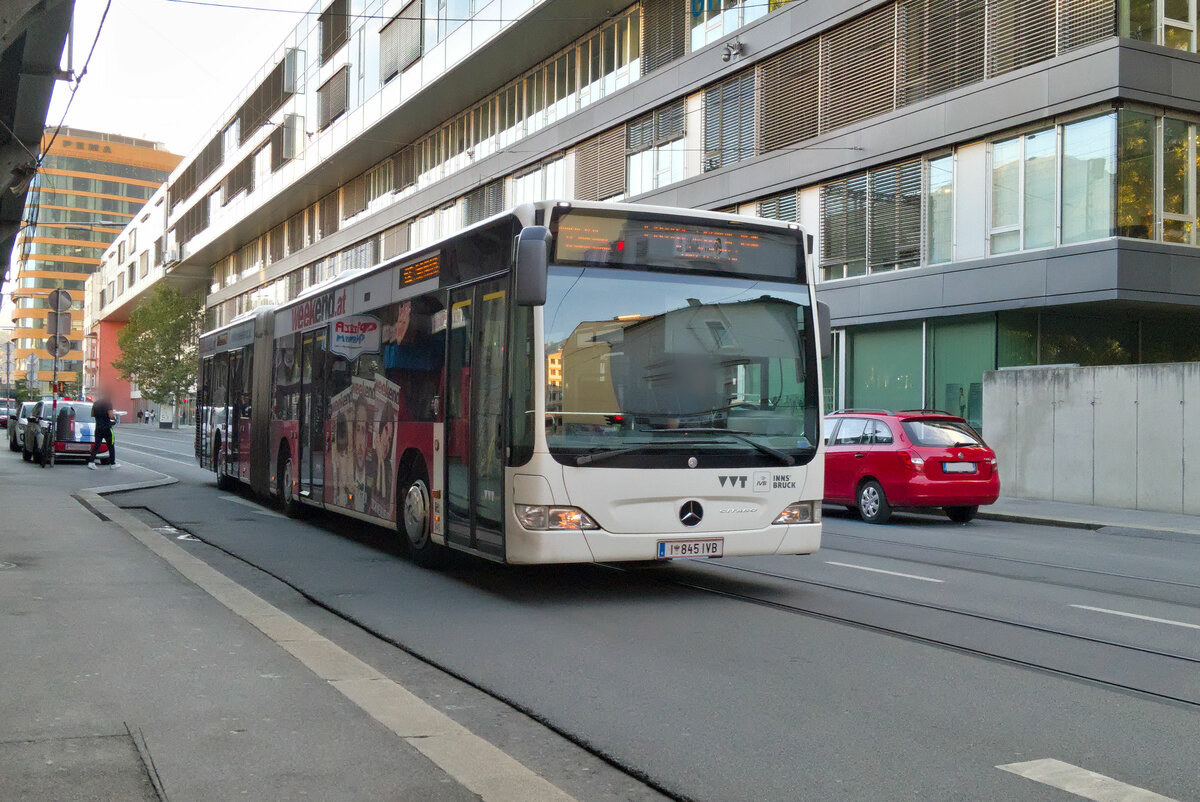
236, 387
312, 435
474, 456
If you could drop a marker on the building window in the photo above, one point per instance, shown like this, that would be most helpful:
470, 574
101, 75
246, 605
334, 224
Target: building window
713, 19
121, 284
1023, 192
332, 97
1166, 22
1179, 150
334, 23
1135, 175
939, 210
894, 217
844, 227
780, 207
379, 180
729, 121
132, 275
400, 42
144, 264
655, 149
1088, 170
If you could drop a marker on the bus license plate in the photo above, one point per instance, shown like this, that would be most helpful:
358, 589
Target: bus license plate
670, 549
958, 467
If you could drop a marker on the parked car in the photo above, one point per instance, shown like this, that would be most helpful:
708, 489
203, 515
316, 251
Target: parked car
6, 412
16, 426
74, 430
878, 460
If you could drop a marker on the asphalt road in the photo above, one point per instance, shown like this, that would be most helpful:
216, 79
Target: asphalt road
906, 661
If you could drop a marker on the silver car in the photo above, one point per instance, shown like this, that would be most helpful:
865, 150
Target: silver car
16, 428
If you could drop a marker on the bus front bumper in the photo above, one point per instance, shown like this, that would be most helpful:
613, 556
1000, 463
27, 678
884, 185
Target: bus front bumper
525, 547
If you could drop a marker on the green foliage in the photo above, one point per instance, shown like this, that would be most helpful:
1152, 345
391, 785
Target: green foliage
158, 345
22, 391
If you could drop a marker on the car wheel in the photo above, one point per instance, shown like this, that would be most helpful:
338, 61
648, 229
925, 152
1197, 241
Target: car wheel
873, 505
961, 515
285, 484
12, 443
413, 520
26, 455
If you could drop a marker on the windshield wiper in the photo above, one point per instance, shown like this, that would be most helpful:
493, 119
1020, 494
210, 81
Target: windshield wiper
786, 459
600, 456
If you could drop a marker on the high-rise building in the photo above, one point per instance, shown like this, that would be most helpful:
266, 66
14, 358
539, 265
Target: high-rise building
989, 183
89, 187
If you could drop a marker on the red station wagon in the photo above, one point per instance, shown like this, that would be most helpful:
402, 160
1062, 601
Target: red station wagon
877, 460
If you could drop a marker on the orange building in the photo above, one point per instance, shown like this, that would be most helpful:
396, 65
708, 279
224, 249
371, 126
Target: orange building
89, 186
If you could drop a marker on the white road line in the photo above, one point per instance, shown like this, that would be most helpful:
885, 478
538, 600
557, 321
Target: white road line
256, 507
1081, 782
156, 456
881, 571
1139, 617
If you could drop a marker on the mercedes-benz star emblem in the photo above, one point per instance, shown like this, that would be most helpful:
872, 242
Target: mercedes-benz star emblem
691, 513
693, 462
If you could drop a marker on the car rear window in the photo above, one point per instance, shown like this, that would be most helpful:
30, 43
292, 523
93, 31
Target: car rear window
946, 433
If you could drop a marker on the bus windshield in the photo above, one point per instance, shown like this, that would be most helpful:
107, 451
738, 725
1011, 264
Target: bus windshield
641, 364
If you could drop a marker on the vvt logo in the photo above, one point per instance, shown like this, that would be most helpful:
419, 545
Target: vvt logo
732, 481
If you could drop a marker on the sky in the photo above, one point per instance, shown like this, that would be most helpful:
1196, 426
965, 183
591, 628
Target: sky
165, 70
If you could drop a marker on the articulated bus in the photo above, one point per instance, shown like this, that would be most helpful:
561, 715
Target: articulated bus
564, 382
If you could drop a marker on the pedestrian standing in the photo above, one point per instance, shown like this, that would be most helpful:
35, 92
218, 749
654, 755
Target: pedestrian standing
140, 413
103, 413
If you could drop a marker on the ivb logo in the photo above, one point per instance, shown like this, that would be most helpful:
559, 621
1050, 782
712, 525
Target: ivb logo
732, 481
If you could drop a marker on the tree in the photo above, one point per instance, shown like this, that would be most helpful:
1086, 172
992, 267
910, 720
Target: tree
23, 392
159, 344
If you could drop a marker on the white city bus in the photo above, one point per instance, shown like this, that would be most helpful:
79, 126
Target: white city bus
564, 382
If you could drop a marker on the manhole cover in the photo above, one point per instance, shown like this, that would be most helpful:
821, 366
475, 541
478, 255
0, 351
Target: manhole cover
4, 565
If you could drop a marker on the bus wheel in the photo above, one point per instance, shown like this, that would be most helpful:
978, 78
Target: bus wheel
413, 523
285, 485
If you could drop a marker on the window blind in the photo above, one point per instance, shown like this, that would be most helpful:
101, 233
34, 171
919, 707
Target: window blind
400, 41
1082, 22
275, 237
729, 121
780, 207
354, 197
657, 127
610, 166
329, 214
331, 97
941, 46
858, 69
894, 223
1019, 32
664, 33
587, 170
844, 226
788, 96
295, 233
395, 240
334, 23
239, 179
485, 201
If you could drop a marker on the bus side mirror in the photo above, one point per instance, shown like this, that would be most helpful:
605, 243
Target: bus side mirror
533, 263
824, 332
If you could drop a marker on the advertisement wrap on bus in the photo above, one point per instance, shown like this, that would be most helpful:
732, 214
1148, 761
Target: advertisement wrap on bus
563, 382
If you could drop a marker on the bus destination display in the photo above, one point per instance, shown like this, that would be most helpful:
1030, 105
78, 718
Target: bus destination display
644, 241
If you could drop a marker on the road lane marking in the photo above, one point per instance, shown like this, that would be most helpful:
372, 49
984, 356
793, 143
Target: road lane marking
1081, 782
127, 447
881, 571
256, 507
474, 762
1135, 615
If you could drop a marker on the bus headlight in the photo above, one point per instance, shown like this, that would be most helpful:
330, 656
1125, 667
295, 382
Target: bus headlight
800, 512
539, 517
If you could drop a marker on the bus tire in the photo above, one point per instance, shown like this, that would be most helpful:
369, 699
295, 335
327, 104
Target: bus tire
285, 487
412, 518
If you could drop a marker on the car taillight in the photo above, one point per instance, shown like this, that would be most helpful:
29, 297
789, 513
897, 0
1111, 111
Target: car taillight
912, 461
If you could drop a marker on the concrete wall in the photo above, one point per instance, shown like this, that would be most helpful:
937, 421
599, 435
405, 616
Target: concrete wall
1115, 436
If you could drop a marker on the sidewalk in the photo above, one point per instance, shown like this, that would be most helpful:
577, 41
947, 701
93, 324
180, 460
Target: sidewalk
124, 679
1086, 516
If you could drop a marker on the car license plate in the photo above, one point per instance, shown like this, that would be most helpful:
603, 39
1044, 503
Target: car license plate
959, 467
79, 446
670, 549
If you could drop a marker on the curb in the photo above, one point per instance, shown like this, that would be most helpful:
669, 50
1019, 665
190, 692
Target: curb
1091, 526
